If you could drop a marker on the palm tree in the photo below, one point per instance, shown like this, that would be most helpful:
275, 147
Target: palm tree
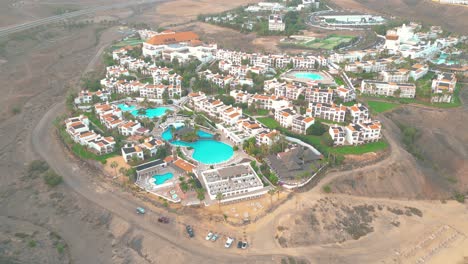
201, 194
114, 166
187, 123
219, 197
271, 192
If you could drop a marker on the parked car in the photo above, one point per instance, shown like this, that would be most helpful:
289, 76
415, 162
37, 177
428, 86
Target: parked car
163, 219
209, 236
190, 231
239, 244
229, 242
140, 210
245, 245
214, 237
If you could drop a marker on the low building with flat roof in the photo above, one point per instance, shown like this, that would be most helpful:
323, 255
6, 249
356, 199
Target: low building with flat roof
150, 169
235, 183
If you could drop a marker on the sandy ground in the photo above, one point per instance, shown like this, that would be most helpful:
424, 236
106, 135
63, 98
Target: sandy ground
96, 219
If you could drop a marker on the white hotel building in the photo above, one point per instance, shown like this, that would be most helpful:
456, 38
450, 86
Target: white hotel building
234, 183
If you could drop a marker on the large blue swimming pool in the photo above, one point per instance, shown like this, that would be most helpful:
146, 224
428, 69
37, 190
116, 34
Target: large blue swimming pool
313, 76
207, 151
160, 179
150, 112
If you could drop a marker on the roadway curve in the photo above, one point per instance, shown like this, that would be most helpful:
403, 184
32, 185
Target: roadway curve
5, 31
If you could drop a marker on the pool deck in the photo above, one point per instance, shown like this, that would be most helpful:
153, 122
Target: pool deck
327, 78
163, 190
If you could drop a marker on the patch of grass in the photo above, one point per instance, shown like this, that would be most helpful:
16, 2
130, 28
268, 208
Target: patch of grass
83, 153
259, 112
380, 107
32, 243
361, 149
60, 248
327, 189
95, 121
16, 110
269, 122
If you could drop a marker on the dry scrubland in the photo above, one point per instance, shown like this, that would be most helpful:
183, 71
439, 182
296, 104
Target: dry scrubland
36, 70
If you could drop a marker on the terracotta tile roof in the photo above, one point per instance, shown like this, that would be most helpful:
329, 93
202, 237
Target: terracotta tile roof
177, 37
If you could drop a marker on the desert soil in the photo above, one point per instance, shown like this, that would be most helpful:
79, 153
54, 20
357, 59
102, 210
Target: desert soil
89, 219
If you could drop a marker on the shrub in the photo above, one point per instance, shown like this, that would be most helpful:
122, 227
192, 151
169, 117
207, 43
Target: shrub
32, 243
16, 110
36, 168
316, 129
327, 188
459, 197
52, 179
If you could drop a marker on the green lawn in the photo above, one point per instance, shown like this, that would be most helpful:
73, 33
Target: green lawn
260, 112
361, 149
328, 43
269, 122
95, 120
380, 107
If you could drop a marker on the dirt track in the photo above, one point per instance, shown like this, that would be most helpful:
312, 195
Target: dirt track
97, 221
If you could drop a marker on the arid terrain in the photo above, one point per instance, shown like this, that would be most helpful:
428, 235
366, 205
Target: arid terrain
394, 211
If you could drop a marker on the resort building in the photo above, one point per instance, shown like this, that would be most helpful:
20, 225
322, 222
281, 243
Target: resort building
359, 113
443, 87
338, 134
78, 129
402, 90
155, 45
333, 112
86, 97
368, 66
131, 152
363, 132
129, 128
347, 95
315, 95
285, 117
240, 96
149, 169
418, 71
152, 145
276, 23
268, 102
300, 124
444, 83
234, 183
289, 90
267, 137
398, 76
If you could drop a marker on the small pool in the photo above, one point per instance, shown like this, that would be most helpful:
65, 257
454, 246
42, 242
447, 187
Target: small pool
308, 75
150, 112
160, 179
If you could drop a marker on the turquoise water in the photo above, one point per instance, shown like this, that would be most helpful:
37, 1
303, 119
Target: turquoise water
206, 151
126, 108
308, 75
160, 179
150, 112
